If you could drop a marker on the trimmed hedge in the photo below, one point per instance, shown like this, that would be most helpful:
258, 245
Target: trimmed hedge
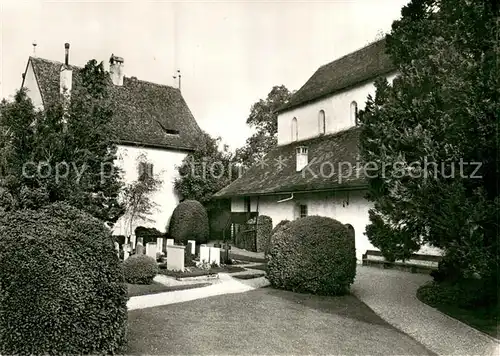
120, 239
463, 295
264, 231
140, 269
312, 255
148, 234
280, 225
189, 221
61, 284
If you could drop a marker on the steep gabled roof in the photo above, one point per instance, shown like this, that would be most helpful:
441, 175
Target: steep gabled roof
357, 67
337, 150
145, 113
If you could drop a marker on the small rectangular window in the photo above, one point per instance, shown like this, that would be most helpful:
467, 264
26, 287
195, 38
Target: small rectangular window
303, 211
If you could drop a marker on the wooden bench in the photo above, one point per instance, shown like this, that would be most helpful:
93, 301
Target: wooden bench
417, 263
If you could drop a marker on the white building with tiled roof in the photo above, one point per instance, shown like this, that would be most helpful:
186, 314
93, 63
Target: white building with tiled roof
151, 120
315, 168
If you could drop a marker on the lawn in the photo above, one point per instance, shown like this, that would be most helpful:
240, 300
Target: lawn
266, 321
483, 319
135, 290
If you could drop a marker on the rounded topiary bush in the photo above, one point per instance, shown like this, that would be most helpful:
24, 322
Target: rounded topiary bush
279, 226
140, 269
61, 284
312, 255
264, 230
189, 221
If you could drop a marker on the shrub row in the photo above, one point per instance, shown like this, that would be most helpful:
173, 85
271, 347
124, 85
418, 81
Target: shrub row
148, 234
463, 295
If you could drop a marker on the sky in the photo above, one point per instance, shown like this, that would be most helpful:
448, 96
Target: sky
230, 53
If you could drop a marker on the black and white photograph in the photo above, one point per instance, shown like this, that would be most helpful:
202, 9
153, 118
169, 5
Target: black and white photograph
248, 177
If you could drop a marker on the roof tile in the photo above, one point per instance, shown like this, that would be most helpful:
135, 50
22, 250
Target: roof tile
367, 63
338, 151
143, 111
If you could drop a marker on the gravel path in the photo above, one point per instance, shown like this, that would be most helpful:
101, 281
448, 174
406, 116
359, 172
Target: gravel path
392, 295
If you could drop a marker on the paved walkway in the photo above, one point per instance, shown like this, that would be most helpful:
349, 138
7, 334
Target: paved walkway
392, 295
225, 285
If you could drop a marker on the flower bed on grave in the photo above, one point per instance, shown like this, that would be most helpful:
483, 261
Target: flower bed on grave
135, 290
200, 271
250, 276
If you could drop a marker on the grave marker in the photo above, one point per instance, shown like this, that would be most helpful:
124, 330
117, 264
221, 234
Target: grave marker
204, 254
139, 248
215, 255
159, 244
126, 251
193, 246
151, 250
175, 258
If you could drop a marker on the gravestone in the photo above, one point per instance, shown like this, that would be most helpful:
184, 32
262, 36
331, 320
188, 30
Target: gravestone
175, 258
117, 248
204, 254
159, 244
151, 250
126, 251
215, 255
193, 246
170, 242
139, 248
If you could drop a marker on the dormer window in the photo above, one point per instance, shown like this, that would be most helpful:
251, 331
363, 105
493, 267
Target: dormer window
166, 130
171, 132
322, 122
354, 113
295, 129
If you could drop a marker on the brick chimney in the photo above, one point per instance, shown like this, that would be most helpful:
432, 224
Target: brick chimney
66, 74
116, 70
302, 158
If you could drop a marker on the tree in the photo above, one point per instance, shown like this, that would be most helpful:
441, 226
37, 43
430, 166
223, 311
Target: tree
433, 135
264, 119
205, 171
136, 197
65, 152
